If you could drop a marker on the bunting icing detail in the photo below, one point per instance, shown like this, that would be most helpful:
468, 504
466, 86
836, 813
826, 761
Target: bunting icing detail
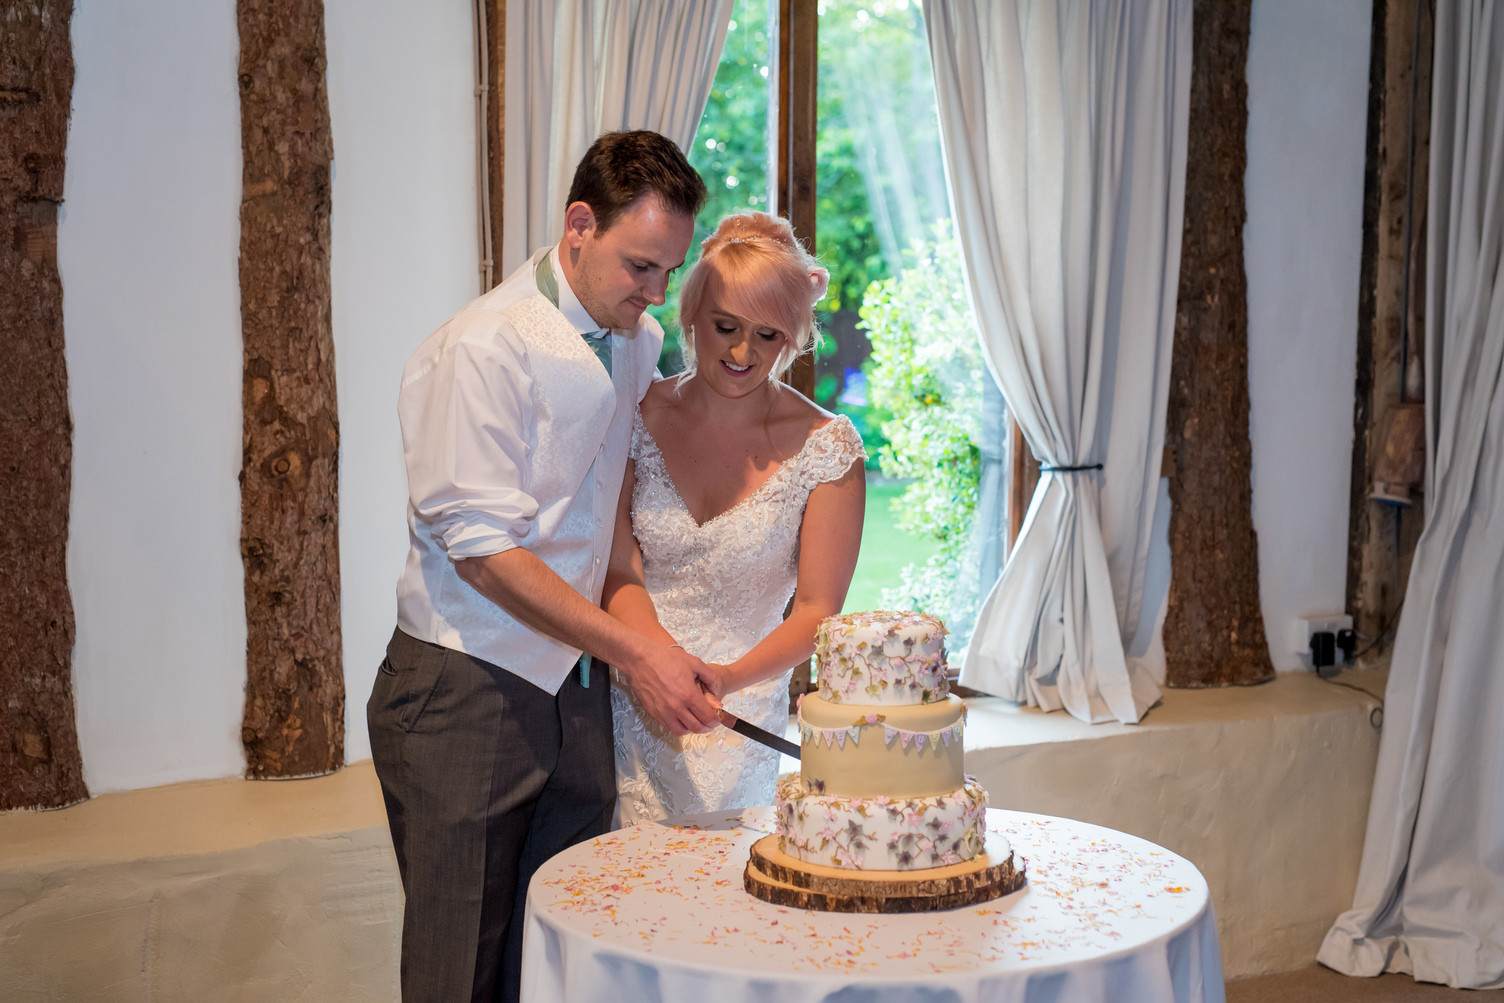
838, 736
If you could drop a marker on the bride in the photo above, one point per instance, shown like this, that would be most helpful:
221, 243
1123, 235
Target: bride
739, 493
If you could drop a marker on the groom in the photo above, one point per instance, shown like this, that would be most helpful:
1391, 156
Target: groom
490, 727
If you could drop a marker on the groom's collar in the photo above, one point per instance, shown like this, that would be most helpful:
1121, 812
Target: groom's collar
564, 298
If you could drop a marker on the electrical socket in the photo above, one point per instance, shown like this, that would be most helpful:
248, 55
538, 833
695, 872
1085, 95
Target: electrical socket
1305, 626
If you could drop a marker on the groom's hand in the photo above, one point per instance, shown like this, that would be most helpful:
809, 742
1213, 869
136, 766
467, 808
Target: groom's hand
666, 678
668, 687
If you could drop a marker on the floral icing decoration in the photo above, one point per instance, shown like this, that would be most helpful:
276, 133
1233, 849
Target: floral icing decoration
882, 657
881, 833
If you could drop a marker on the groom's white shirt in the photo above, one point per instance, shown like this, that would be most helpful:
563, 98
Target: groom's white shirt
514, 436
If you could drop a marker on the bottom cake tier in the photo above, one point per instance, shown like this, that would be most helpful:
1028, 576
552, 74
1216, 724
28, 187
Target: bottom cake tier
881, 833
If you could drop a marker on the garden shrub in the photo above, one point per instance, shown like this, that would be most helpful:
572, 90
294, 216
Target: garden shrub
925, 376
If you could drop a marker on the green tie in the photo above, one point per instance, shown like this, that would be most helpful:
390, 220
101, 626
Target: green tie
600, 344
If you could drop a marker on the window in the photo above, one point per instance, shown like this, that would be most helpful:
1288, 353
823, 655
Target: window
881, 220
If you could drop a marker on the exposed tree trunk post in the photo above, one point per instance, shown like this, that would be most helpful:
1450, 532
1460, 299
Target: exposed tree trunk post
40, 765
1214, 628
294, 721
1391, 307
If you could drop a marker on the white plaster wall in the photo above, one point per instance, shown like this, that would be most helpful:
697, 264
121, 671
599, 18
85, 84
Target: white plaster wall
148, 240
1307, 118
147, 245
405, 256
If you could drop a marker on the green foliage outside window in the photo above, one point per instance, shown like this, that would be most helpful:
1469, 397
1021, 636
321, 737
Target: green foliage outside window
879, 181
876, 119
730, 148
925, 377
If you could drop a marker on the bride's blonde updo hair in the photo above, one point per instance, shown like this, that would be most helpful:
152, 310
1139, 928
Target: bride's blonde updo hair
755, 268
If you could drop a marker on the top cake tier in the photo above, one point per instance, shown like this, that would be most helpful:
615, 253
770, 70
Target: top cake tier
881, 658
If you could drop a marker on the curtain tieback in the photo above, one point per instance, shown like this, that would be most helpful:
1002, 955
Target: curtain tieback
1069, 470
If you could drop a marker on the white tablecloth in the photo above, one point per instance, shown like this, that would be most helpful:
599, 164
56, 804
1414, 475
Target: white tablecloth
658, 912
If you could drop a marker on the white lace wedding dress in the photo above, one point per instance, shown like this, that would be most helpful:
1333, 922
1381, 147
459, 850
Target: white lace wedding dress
719, 588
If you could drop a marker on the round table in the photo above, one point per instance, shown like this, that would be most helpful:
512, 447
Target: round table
658, 912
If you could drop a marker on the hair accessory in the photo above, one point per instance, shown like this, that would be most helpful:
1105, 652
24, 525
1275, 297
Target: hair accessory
747, 228
742, 238
819, 282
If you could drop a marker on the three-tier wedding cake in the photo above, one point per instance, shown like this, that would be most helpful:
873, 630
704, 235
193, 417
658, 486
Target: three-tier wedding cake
881, 815
881, 784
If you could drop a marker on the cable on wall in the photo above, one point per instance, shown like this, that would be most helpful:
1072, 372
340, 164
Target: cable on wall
482, 141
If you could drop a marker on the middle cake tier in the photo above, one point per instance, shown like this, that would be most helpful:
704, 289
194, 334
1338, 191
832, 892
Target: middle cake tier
856, 750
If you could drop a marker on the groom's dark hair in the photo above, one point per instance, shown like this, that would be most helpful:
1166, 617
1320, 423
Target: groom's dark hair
621, 167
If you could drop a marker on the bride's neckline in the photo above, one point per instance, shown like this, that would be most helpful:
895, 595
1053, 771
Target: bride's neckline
668, 477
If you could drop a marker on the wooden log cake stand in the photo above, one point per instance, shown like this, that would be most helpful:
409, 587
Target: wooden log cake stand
776, 877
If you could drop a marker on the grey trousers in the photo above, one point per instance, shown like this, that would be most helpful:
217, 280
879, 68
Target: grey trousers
485, 777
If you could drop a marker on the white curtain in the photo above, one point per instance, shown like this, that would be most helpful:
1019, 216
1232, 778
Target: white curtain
578, 68
1430, 896
1064, 128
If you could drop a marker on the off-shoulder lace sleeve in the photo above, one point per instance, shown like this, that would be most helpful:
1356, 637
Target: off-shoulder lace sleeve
830, 452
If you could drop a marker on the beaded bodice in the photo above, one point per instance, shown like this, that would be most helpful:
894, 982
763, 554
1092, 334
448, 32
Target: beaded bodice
719, 587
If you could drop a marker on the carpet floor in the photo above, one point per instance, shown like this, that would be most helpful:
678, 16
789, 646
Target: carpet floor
1322, 985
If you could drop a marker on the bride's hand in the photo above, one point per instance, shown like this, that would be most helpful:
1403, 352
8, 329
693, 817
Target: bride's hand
713, 681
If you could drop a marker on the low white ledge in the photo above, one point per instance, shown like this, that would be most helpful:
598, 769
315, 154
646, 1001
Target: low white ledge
1264, 788
233, 889
215, 890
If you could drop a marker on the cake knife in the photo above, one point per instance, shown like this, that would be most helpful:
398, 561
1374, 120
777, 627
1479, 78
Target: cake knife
757, 734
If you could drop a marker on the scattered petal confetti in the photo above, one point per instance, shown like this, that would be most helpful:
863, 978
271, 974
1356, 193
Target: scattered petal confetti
675, 893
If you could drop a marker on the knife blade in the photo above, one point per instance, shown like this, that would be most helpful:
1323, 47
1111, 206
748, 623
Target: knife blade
757, 734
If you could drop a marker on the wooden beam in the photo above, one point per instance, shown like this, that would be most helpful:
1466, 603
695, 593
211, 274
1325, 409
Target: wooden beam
40, 764
1391, 310
294, 723
1214, 626
495, 125
795, 85
1023, 477
797, 88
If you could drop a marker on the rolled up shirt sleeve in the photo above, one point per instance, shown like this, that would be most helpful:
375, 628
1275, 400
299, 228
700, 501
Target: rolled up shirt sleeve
467, 424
